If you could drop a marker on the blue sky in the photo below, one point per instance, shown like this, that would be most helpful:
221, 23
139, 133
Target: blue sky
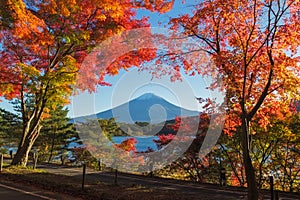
178, 9
179, 93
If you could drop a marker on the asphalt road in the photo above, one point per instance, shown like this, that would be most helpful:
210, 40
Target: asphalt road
194, 189
14, 190
12, 193
201, 190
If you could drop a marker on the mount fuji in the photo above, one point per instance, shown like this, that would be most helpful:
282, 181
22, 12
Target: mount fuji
145, 108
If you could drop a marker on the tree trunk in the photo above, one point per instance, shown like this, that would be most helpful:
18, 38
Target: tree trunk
249, 169
21, 157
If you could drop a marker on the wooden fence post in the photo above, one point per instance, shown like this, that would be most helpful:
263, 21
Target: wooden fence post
100, 164
83, 176
35, 159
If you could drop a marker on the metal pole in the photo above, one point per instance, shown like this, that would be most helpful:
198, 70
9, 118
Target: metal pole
11, 154
151, 172
116, 176
276, 195
272, 187
1, 162
83, 176
220, 175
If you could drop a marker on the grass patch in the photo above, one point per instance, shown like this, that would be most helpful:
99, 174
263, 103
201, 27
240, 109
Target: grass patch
12, 169
4, 165
40, 178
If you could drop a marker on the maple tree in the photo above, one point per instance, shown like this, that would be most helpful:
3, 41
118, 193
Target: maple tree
163, 140
81, 155
43, 44
272, 151
264, 142
285, 160
229, 152
193, 131
128, 145
253, 46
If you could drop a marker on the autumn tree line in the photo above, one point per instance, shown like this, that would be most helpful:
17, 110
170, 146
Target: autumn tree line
253, 48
